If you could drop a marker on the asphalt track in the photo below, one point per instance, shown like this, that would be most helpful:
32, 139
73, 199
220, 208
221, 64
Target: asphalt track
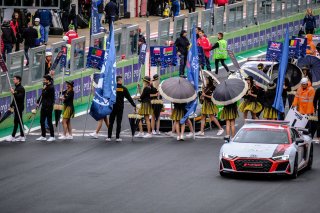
158, 175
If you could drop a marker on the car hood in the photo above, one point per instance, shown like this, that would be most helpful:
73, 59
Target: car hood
255, 150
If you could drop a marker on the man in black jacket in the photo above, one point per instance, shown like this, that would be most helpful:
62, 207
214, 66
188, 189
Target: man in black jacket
111, 10
47, 101
8, 38
19, 95
122, 92
182, 44
29, 35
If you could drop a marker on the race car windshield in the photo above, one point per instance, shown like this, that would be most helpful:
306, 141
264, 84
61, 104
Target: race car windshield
264, 136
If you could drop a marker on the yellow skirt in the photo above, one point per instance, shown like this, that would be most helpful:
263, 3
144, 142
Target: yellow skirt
270, 113
145, 109
254, 107
68, 112
177, 114
229, 113
209, 108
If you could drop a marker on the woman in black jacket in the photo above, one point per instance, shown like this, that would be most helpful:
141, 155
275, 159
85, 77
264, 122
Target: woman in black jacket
182, 44
310, 22
68, 110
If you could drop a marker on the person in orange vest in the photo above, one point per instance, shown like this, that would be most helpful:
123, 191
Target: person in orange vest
72, 34
304, 98
311, 48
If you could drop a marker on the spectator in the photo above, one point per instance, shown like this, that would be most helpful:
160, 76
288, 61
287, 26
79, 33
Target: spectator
48, 63
8, 38
64, 6
206, 46
45, 21
206, 4
310, 22
30, 35
311, 48
72, 34
304, 98
73, 17
111, 10
220, 52
175, 8
40, 31
191, 5
182, 44
16, 27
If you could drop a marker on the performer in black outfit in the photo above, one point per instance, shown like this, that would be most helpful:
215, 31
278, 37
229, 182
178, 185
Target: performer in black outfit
122, 92
182, 44
19, 94
47, 101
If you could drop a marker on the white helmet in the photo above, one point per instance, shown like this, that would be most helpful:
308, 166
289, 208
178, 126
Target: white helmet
48, 54
65, 38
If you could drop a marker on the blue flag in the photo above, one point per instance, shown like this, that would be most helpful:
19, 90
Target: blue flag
193, 74
105, 92
278, 103
95, 18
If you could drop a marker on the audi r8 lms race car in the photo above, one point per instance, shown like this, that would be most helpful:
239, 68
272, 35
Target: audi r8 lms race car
267, 147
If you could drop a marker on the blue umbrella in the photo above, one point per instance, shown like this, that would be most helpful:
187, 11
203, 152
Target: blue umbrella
313, 63
261, 79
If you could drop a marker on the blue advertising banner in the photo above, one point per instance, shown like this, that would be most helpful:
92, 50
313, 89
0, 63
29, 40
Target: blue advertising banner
169, 56
243, 43
119, 71
317, 21
155, 55
249, 41
291, 29
31, 100
294, 47
162, 70
296, 25
142, 54
237, 45
284, 28
57, 90
127, 75
63, 59
262, 38
95, 58
274, 33
230, 44
256, 39
279, 32
302, 46
77, 88
274, 51
268, 34
86, 86
5, 104
95, 18
136, 70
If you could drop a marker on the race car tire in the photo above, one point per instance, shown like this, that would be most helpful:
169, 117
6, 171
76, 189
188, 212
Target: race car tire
222, 174
310, 161
294, 174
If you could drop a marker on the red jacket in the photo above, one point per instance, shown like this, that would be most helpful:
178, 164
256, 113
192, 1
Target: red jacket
205, 44
71, 35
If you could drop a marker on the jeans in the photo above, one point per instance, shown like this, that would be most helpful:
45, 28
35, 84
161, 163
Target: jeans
46, 34
175, 8
6, 50
183, 63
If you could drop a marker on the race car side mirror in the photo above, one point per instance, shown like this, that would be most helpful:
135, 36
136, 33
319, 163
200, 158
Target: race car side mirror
299, 140
226, 139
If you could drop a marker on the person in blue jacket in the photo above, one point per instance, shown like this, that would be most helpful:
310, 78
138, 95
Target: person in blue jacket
175, 8
45, 17
40, 31
310, 22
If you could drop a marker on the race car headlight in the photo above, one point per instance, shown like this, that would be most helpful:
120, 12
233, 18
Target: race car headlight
228, 156
281, 157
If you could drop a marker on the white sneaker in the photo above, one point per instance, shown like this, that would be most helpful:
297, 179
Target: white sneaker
178, 138
171, 134
62, 137
200, 133
154, 132
118, 139
51, 139
10, 139
108, 139
41, 139
158, 133
220, 132
147, 135
181, 138
189, 135
94, 135
139, 135
20, 138
70, 137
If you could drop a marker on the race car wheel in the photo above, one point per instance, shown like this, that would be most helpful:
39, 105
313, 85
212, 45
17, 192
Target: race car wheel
310, 161
222, 174
294, 174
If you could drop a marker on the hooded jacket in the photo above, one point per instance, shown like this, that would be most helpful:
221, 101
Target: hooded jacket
304, 100
111, 9
8, 36
205, 44
311, 50
182, 44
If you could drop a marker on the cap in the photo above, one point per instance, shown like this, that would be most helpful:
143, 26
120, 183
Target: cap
36, 20
155, 77
65, 38
260, 66
146, 79
304, 81
71, 83
47, 77
48, 54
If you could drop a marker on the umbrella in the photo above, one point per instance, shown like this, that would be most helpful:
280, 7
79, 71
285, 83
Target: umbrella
177, 90
229, 91
314, 65
208, 73
261, 79
6, 115
134, 120
294, 74
157, 106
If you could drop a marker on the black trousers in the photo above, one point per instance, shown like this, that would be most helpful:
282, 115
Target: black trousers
46, 114
207, 64
183, 63
16, 123
223, 64
191, 5
310, 31
116, 112
318, 126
